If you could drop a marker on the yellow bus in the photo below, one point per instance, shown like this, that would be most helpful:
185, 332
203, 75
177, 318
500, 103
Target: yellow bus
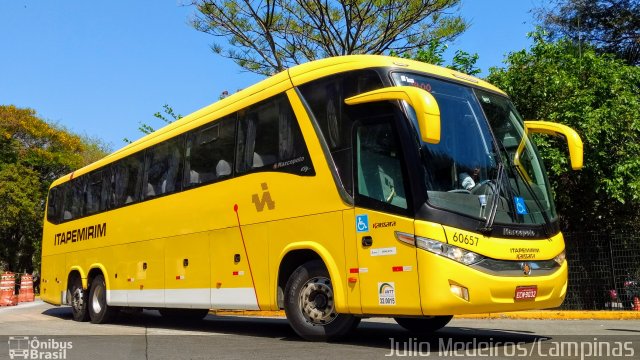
349, 187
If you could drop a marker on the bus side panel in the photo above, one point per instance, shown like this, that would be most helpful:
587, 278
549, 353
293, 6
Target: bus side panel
54, 279
232, 286
187, 271
118, 282
323, 234
145, 273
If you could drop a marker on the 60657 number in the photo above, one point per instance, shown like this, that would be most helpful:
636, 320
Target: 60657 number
466, 239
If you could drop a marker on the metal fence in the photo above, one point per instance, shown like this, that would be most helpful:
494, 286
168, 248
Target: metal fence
604, 271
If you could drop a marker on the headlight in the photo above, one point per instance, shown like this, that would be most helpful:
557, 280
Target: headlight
560, 258
452, 252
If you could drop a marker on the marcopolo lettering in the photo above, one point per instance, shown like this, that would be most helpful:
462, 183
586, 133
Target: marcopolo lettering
86, 233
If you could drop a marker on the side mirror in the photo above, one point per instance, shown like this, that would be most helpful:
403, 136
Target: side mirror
424, 104
573, 139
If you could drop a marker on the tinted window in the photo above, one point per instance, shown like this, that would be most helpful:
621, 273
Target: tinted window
258, 137
108, 184
128, 179
94, 192
269, 137
379, 167
164, 168
210, 152
74, 199
54, 204
326, 99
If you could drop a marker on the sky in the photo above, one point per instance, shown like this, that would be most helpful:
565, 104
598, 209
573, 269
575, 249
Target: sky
99, 68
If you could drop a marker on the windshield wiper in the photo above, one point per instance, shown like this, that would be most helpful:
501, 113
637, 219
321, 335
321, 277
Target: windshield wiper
488, 225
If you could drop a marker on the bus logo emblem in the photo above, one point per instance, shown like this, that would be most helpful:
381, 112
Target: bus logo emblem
265, 200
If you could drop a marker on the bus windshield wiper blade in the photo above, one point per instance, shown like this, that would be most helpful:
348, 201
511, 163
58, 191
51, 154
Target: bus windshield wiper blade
488, 226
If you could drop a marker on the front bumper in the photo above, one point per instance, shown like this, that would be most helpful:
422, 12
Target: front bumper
487, 293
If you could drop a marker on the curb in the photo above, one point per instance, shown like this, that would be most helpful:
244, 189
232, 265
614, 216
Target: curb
518, 315
557, 315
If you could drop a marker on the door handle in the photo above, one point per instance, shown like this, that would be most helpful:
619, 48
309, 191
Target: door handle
367, 241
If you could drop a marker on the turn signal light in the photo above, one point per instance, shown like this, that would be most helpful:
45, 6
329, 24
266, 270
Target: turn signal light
460, 291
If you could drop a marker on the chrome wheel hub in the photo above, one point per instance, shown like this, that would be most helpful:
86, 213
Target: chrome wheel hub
77, 299
95, 300
317, 301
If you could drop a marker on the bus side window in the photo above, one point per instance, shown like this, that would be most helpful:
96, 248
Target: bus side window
74, 199
326, 101
163, 168
106, 197
54, 205
269, 137
94, 192
257, 137
128, 179
209, 152
379, 167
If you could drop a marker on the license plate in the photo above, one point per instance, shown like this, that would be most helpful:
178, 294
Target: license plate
524, 293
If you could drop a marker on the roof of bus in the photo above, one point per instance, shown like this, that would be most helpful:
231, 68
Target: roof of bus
273, 85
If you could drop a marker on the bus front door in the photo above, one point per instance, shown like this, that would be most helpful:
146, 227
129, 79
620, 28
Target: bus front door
387, 265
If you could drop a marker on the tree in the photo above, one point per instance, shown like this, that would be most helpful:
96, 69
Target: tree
433, 53
21, 217
168, 117
611, 26
266, 37
33, 153
598, 96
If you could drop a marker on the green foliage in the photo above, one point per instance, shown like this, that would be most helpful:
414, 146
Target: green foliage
465, 62
433, 53
21, 217
266, 37
598, 96
611, 26
168, 117
33, 153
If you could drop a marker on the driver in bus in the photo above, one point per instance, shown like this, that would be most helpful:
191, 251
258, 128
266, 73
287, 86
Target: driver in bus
469, 181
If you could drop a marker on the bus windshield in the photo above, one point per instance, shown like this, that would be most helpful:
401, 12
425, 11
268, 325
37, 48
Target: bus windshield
484, 165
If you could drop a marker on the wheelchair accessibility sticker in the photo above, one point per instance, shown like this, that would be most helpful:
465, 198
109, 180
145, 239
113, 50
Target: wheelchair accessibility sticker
362, 223
521, 207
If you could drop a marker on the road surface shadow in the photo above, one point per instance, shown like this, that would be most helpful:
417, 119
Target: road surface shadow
368, 334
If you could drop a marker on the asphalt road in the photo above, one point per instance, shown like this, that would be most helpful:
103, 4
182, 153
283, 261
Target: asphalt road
46, 331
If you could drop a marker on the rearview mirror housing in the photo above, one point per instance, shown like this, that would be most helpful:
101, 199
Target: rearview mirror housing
571, 136
424, 104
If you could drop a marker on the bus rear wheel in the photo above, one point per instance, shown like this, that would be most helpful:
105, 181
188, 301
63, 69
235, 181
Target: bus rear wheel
310, 304
78, 299
427, 324
99, 311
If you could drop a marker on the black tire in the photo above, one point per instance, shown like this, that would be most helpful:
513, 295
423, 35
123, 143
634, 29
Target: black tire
310, 307
423, 325
184, 314
78, 299
99, 311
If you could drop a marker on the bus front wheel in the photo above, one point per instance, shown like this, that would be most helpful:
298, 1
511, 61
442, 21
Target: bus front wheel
99, 311
309, 303
427, 324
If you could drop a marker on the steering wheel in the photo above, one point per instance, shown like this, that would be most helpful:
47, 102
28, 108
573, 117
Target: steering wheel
483, 186
460, 191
